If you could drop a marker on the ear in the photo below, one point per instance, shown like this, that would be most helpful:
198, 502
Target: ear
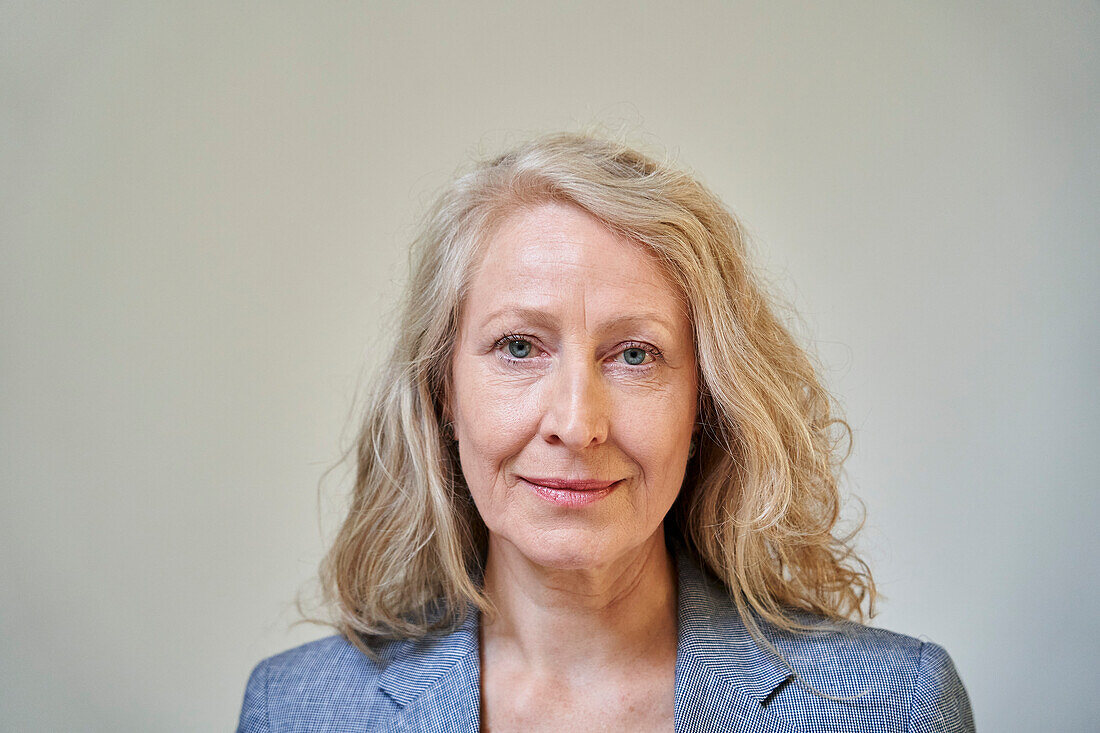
445, 409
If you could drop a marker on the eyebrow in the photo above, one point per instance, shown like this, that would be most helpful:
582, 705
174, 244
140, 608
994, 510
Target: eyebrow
545, 320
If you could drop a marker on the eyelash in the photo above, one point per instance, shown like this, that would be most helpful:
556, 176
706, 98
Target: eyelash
508, 338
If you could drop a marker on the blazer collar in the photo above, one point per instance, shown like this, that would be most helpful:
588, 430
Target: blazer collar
436, 682
722, 675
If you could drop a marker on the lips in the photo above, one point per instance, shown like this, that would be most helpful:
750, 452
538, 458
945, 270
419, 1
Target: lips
570, 484
570, 493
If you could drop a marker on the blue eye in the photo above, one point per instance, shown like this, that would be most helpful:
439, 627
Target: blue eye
519, 348
635, 354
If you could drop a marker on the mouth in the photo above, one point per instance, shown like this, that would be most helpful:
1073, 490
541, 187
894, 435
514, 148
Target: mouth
570, 493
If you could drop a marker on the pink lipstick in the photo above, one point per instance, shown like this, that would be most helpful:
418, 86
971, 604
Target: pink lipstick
570, 493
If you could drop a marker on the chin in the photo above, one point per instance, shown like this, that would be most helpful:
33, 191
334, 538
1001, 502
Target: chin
569, 548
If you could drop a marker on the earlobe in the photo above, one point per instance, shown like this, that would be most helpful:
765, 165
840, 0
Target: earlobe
446, 413
447, 420
447, 425
696, 432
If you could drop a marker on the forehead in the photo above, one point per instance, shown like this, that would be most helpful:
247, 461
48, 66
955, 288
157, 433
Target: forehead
556, 255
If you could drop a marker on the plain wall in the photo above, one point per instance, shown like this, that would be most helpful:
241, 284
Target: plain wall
204, 217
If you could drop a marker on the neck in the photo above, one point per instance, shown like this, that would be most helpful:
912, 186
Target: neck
551, 620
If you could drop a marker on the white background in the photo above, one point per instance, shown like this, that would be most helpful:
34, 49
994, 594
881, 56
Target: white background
204, 217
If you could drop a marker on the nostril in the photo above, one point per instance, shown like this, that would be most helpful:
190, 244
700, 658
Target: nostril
575, 413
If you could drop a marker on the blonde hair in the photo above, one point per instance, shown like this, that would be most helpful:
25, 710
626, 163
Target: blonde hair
760, 500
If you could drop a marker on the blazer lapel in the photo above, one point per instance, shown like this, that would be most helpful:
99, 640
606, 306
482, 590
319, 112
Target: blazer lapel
722, 675
436, 683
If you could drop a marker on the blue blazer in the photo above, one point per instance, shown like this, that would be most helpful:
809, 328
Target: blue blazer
724, 680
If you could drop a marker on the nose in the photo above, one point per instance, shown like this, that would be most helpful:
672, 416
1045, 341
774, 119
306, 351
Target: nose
577, 406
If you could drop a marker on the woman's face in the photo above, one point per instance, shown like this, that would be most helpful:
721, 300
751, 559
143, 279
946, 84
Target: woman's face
574, 390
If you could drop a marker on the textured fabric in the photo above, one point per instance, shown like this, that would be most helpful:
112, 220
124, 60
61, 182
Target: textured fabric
725, 681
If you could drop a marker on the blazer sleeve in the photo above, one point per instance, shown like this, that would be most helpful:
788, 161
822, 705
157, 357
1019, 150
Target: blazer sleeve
254, 710
940, 703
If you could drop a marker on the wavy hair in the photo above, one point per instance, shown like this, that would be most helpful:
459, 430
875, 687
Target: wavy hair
760, 502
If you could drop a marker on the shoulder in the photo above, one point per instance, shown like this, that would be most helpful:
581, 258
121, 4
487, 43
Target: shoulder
318, 665
308, 688
838, 676
879, 677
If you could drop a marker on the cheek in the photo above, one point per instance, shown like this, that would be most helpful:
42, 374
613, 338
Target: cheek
655, 431
491, 412
659, 447
493, 422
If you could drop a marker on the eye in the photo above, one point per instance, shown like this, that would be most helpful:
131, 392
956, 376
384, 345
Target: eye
519, 348
635, 354
516, 347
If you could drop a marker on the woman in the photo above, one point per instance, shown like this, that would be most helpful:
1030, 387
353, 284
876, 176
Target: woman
596, 488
